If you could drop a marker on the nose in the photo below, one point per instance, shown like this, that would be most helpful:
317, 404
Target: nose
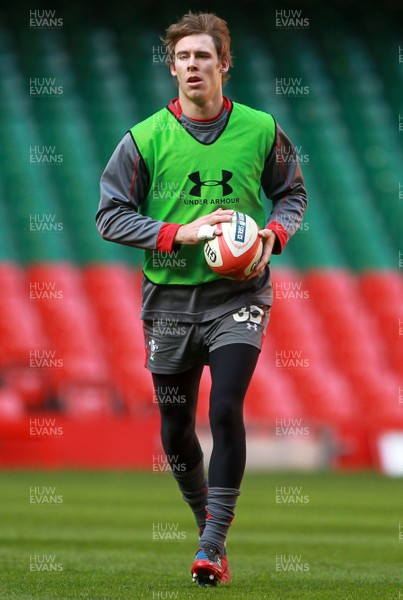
192, 64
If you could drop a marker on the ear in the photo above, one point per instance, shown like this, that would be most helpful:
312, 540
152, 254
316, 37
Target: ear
172, 69
224, 66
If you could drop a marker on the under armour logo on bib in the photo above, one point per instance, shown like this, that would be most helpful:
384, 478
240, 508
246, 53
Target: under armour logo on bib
196, 189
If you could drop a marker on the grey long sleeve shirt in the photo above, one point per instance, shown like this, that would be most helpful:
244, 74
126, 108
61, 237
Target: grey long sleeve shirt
125, 183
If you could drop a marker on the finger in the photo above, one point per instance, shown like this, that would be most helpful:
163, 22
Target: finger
213, 219
206, 232
260, 267
264, 259
266, 233
259, 270
224, 210
268, 242
262, 264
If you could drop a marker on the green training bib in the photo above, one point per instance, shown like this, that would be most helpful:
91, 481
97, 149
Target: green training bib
189, 179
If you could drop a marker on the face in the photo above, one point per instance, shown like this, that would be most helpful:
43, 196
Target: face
198, 68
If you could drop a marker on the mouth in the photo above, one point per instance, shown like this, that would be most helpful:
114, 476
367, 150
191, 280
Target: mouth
193, 80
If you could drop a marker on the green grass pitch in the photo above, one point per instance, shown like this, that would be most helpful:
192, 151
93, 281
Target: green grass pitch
117, 535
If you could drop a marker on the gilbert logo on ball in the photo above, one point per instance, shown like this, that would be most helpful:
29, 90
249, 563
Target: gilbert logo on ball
235, 253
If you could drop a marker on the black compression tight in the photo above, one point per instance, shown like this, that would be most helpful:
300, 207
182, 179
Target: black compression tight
177, 397
232, 367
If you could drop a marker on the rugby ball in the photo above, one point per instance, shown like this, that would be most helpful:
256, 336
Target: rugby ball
235, 253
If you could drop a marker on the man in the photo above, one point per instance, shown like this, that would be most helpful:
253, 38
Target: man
189, 166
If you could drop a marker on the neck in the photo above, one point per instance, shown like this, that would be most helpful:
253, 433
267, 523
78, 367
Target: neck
202, 110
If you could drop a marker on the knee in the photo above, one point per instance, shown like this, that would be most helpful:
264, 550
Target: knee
226, 416
177, 427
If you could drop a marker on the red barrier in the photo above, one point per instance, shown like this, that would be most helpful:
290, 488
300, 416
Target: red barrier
52, 441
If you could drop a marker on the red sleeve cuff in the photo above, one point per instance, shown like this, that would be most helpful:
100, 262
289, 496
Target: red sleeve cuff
167, 233
282, 236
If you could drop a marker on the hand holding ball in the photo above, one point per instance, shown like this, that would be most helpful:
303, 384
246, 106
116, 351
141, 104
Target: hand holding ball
235, 253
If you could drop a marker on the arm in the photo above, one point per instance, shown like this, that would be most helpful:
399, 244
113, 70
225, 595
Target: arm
283, 183
124, 185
